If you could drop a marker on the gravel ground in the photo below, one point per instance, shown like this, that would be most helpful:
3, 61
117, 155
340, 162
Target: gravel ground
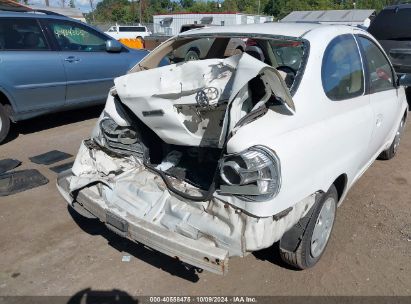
47, 250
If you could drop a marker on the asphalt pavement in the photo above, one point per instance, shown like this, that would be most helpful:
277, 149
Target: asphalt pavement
45, 249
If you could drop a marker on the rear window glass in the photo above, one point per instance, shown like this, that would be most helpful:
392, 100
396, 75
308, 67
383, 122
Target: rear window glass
132, 29
341, 73
392, 24
288, 53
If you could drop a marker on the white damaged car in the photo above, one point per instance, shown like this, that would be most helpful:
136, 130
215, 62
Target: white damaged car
215, 158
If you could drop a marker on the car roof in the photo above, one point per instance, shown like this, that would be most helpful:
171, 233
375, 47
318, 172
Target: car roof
33, 14
275, 28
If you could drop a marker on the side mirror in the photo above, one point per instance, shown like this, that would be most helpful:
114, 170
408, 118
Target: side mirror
404, 80
113, 46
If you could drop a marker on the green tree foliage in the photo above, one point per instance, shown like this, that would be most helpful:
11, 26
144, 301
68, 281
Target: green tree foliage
126, 11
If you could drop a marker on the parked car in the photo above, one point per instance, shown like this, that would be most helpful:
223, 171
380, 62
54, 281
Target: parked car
52, 63
128, 31
392, 28
215, 158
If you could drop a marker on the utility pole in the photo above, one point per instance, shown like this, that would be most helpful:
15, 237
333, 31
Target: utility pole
47, 3
133, 11
140, 11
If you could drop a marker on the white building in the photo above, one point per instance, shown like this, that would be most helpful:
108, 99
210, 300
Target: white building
170, 24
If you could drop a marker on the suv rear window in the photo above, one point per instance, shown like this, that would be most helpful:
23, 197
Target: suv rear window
132, 29
392, 24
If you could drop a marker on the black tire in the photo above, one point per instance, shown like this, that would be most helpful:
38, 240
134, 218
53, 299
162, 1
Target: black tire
191, 55
393, 149
304, 256
4, 123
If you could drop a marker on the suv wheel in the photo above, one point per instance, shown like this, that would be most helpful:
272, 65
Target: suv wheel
315, 230
4, 123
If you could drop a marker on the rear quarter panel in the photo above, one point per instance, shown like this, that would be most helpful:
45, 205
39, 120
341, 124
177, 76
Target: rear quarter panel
321, 141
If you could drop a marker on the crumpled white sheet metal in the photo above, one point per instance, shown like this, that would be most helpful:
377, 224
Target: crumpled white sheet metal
169, 91
140, 194
170, 99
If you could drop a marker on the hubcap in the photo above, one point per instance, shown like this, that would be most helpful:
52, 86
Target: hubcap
323, 226
397, 138
1, 124
191, 57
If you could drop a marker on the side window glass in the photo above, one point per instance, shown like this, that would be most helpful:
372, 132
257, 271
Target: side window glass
342, 73
21, 34
73, 37
379, 69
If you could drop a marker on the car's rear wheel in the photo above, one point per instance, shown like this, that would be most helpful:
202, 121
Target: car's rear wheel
4, 123
392, 150
316, 229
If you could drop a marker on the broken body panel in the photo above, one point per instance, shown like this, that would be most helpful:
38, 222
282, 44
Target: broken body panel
184, 104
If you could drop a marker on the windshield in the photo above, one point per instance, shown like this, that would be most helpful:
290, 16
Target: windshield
284, 54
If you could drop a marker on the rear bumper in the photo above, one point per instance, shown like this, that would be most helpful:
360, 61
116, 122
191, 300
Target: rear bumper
136, 204
161, 239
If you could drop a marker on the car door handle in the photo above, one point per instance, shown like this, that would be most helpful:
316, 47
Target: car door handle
72, 59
